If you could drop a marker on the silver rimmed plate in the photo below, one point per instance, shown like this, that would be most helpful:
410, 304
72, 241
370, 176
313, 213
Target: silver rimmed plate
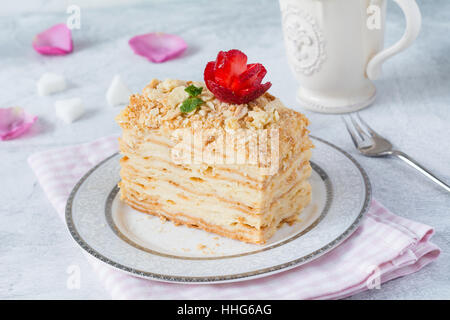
145, 246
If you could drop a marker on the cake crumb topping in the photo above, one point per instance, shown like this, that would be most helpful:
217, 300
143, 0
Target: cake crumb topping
159, 106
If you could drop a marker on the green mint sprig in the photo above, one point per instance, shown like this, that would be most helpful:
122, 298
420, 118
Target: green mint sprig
190, 104
193, 90
193, 102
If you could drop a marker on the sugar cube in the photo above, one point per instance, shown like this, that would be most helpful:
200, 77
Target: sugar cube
118, 93
50, 83
69, 110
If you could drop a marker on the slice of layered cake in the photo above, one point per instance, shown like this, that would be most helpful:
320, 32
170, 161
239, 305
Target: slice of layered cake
237, 166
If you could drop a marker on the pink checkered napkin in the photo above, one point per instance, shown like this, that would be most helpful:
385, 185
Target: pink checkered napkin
385, 244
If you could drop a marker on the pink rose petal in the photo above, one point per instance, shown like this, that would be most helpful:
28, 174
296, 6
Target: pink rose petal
158, 47
14, 122
54, 41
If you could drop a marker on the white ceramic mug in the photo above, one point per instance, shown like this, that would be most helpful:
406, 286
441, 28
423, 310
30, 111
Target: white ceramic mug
335, 48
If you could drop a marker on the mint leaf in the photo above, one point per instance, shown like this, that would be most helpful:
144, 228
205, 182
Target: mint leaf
193, 90
190, 104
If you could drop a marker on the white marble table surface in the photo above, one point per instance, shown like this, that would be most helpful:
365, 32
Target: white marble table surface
412, 109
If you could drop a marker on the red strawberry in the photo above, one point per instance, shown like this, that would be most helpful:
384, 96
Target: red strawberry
232, 80
229, 65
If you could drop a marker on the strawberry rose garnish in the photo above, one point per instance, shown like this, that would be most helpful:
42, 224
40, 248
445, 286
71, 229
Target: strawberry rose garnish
232, 80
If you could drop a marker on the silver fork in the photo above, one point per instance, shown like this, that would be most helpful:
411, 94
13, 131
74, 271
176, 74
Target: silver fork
371, 144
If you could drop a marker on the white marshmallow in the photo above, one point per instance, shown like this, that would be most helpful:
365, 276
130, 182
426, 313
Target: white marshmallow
50, 83
118, 93
69, 110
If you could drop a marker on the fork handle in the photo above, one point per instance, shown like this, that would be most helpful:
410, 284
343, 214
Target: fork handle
413, 163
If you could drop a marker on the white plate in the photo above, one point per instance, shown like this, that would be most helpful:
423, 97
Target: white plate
145, 246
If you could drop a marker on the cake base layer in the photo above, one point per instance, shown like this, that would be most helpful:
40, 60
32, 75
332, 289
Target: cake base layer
237, 231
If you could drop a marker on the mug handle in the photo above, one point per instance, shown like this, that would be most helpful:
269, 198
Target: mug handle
413, 24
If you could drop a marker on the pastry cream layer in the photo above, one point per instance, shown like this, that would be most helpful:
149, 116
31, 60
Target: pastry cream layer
239, 230
169, 189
